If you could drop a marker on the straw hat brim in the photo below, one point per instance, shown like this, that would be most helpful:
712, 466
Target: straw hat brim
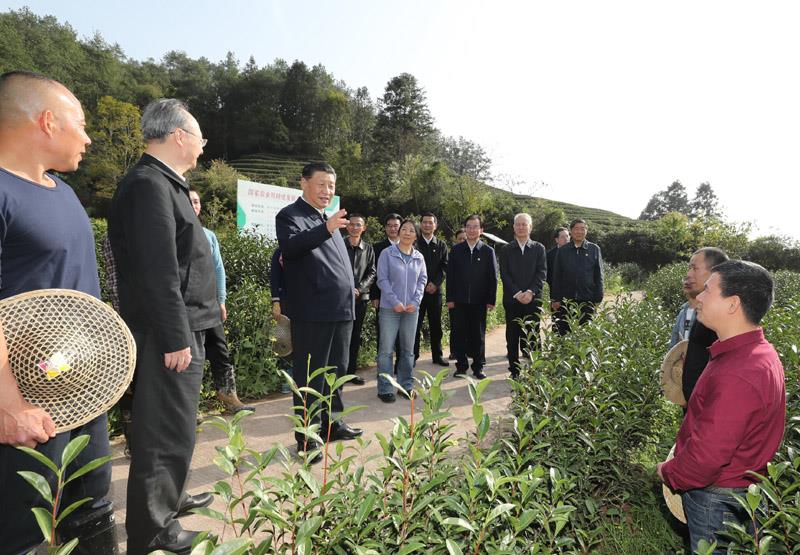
70, 353
282, 335
672, 373
673, 499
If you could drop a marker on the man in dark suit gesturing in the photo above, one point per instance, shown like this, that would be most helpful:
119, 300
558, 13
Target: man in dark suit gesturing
168, 298
319, 280
523, 268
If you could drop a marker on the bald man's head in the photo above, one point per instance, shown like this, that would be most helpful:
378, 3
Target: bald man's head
43, 119
24, 95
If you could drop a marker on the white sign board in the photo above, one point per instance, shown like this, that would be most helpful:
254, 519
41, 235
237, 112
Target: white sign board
257, 204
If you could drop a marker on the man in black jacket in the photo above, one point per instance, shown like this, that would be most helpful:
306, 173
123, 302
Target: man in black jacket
577, 277
319, 282
471, 291
561, 236
434, 251
362, 257
167, 297
523, 268
700, 337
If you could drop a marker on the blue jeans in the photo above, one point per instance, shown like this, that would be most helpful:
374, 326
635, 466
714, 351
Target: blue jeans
707, 509
400, 327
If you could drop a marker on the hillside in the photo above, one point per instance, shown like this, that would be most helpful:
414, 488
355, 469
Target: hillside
283, 170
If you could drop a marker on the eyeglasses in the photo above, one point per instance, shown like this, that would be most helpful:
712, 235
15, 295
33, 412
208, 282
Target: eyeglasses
203, 142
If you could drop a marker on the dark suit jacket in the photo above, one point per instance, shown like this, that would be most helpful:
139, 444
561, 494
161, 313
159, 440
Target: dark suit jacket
551, 263
578, 273
374, 291
364, 267
164, 263
435, 255
319, 277
472, 278
522, 272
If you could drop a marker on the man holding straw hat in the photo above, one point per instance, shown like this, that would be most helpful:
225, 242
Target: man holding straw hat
46, 242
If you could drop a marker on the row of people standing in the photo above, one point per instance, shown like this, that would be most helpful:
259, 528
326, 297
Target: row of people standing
403, 276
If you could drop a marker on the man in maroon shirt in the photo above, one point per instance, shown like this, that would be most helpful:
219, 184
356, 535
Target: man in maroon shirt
735, 420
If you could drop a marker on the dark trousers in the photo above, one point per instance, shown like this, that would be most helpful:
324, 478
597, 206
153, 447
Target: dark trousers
19, 532
469, 334
355, 337
219, 359
521, 335
162, 441
560, 316
431, 306
327, 344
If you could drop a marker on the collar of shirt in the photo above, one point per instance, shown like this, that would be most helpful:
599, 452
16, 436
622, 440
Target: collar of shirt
428, 241
721, 347
321, 212
170, 167
522, 245
583, 245
360, 244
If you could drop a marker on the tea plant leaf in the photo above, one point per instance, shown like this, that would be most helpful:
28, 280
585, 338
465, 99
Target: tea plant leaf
68, 547
501, 509
64, 513
452, 547
45, 521
73, 449
237, 546
39, 483
88, 467
460, 522
39, 457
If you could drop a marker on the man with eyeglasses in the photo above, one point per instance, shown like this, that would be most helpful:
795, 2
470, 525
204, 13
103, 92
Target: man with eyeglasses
362, 257
167, 299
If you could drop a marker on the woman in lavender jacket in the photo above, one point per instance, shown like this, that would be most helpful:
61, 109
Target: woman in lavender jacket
401, 279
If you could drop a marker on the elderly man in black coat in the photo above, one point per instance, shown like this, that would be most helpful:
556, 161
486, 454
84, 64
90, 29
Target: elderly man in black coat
523, 268
168, 298
319, 282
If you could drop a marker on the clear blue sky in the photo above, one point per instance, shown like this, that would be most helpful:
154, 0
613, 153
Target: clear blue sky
596, 103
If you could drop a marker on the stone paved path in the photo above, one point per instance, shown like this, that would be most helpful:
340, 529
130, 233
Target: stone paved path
270, 425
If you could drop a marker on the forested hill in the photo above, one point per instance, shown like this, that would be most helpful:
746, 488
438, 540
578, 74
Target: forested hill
264, 121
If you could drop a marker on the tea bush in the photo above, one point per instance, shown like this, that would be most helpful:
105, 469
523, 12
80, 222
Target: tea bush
665, 286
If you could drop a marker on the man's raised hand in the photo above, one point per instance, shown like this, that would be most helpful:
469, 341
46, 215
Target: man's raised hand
337, 221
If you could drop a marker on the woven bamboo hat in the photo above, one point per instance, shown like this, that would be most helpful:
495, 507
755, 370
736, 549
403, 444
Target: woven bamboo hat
70, 353
282, 334
672, 373
673, 500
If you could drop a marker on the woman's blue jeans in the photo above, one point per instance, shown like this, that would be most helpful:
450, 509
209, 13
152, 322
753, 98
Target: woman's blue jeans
400, 326
706, 511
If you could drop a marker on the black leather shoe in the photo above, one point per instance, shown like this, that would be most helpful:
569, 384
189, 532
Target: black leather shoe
305, 448
478, 374
386, 397
181, 546
358, 380
194, 502
341, 431
441, 362
459, 373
